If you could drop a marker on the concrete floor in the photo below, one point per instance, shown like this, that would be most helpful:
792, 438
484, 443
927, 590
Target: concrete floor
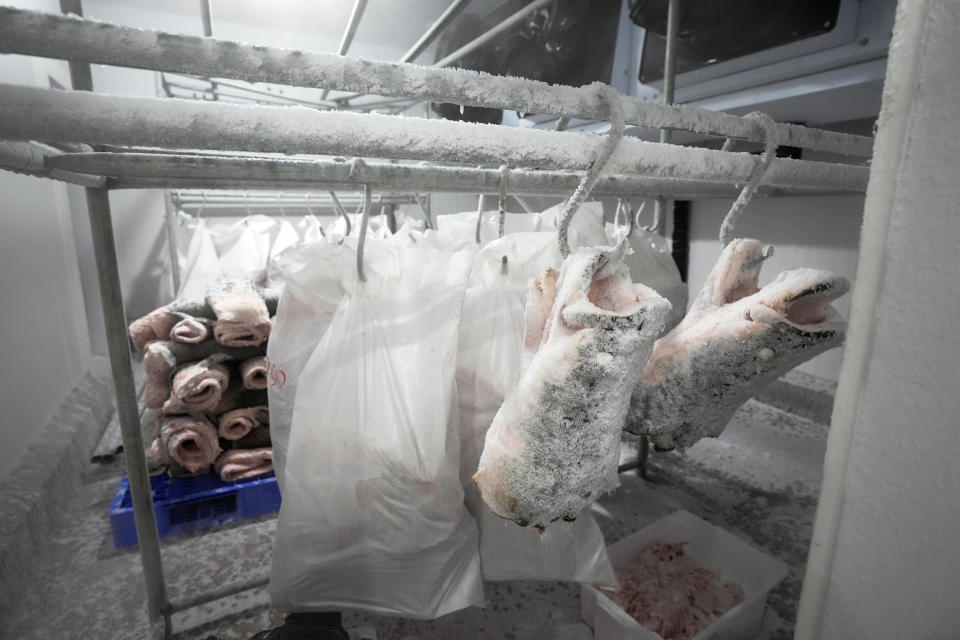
760, 480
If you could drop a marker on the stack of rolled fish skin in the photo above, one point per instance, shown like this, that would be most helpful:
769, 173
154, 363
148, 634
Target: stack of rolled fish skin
206, 387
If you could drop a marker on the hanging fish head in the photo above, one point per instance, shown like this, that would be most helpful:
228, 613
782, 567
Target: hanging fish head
736, 338
553, 446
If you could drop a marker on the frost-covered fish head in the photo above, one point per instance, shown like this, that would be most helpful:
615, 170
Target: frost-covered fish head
553, 446
736, 338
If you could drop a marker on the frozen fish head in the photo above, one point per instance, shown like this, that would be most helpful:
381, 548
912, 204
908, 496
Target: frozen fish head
553, 446
736, 338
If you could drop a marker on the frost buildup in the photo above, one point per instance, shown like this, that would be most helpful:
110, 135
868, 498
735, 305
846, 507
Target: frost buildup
735, 339
554, 445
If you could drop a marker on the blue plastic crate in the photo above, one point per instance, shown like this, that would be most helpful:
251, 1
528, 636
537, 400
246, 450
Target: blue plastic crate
197, 502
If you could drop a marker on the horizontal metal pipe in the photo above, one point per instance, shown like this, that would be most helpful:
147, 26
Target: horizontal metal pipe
29, 158
219, 594
251, 90
683, 191
71, 38
142, 170
64, 116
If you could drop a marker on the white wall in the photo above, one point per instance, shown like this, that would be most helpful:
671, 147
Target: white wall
45, 347
893, 503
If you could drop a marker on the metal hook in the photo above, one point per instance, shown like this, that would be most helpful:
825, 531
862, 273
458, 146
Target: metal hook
246, 205
617, 212
636, 218
364, 221
428, 220
355, 165
203, 202
617, 125
307, 200
283, 213
479, 217
771, 141
523, 203
340, 210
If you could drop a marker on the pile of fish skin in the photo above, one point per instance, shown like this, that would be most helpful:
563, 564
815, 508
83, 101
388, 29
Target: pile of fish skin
595, 364
663, 590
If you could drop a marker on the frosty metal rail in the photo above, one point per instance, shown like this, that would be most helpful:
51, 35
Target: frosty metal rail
139, 170
28, 113
78, 39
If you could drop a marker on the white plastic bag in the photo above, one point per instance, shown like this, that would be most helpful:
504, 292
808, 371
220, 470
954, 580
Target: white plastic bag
285, 238
244, 248
201, 266
309, 229
489, 359
311, 293
651, 263
586, 227
372, 515
463, 226
183, 235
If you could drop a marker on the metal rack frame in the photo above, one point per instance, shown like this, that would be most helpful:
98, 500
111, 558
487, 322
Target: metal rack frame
542, 162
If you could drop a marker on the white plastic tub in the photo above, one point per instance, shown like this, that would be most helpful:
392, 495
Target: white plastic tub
708, 546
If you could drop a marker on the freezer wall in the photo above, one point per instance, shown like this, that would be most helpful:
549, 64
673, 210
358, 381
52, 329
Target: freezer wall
45, 348
894, 501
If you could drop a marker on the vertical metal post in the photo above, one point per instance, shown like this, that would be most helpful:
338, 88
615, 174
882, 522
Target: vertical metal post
669, 81
352, 23
118, 348
661, 205
80, 77
207, 16
170, 223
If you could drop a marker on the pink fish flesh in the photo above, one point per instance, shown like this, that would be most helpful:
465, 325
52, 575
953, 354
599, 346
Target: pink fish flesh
735, 339
553, 446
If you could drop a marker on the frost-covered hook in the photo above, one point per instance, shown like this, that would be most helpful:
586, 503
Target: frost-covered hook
770, 143
653, 226
425, 208
307, 202
476, 234
364, 221
618, 213
283, 213
356, 164
340, 211
614, 106
502, 201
